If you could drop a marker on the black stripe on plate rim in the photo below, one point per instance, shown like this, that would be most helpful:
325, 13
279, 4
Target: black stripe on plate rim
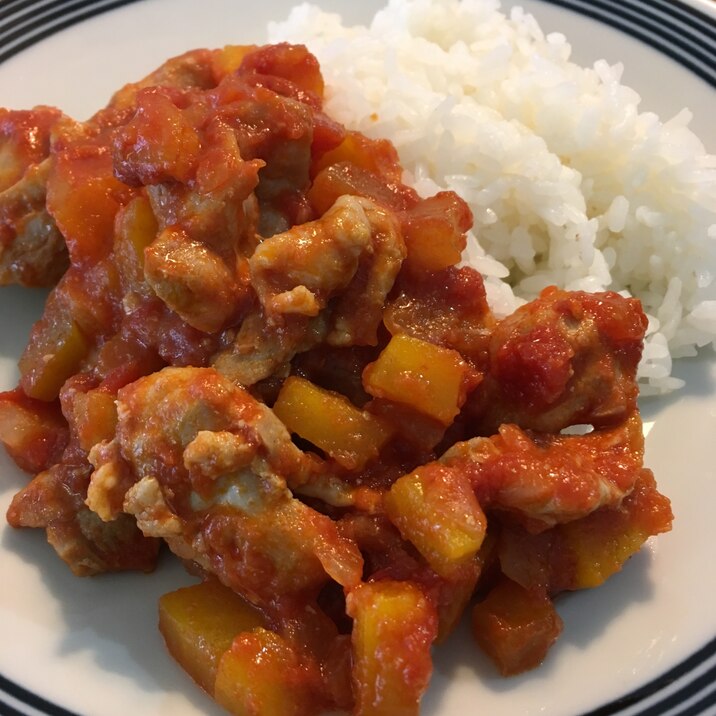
660, 38
660, 683
24, 696
623, 16
688, 694
41, 31
698, 708
7, 710
696, 20
38, 15
696, 15
10, 7
666, 25
13, 10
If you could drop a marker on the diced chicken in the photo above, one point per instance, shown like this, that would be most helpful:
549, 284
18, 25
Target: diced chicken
192, 280
300, 270
32, 250
54, 500
324, 280
550, 479
212, 470
566, 358
187, 71
358, 312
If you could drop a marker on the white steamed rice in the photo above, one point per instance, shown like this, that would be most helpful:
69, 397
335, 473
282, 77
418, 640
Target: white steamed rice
568, 182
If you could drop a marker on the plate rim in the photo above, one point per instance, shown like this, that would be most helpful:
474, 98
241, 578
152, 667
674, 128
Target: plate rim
24, 23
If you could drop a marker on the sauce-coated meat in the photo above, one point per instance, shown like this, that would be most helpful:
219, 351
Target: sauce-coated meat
213, 469
563, 359
32, 250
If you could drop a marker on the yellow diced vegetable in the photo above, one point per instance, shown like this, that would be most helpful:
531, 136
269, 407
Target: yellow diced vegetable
135, 228
262, 675
138, 226
54, 353
394, 626
95, 417
435, 508
228, 59
515, 627
602, 542
434, 232
432, 379
374, 155
598, 556
199, 623
331, 422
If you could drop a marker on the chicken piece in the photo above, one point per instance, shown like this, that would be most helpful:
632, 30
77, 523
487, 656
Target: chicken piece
348, 258
158, 144
269, 97
448, 308
153, 329
223, 218
191, 280
566, 358
195, 174
24, 140
358, 311
352, 254
551, 479
32, 249
201, 196
212, 467
54, 500
259, 351
299, 270
161, 414
277, 130
110, 482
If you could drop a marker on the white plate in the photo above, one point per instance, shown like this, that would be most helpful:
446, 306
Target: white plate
645, 643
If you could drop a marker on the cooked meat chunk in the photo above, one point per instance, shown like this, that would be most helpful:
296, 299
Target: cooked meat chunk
324, 280
188, 71
191, 280
213, 468
24, 140
566, 358
259, 351
54, 500
32, 250
448, 308
300, 270
549, 479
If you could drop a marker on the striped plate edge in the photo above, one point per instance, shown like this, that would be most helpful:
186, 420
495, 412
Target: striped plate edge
683, 33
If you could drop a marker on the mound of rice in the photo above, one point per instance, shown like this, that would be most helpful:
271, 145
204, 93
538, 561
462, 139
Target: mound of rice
568, 182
